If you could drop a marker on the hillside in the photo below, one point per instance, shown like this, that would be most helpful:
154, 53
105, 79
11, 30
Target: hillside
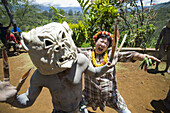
162, 17
162, 5
66, 9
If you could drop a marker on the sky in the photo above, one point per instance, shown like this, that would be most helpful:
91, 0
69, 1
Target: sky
59, 3
74, 3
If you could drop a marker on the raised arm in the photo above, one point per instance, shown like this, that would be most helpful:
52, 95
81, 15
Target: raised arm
90, 69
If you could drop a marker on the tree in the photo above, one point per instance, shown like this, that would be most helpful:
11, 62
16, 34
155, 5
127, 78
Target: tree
58, 14
70, 12
138, 22
99, 15
6, 5
79, 33
28, 15
78, 13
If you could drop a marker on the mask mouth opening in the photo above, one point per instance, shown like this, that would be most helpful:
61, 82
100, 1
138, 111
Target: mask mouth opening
66, 61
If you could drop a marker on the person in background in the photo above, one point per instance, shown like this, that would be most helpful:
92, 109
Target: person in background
11, 41
3, 33
164, 46
102, 91
17, 33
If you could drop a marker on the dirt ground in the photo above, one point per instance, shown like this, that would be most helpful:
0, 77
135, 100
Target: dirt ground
143, 91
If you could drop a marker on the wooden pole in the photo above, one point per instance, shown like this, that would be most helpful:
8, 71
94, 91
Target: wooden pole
114, 43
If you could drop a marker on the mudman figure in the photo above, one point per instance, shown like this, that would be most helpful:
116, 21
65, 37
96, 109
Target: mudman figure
164, 38
59, 68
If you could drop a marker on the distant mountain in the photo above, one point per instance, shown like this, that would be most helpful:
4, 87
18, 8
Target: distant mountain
158, 6
162, 5
66, 9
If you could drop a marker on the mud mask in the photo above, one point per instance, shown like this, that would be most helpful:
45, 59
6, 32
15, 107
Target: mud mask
50, 47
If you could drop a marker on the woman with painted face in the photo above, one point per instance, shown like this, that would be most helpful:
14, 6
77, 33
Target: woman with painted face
102, 91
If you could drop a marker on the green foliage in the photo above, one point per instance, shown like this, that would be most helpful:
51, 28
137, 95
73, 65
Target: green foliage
145, 64
59, 14
138, 23
86, 44
70, 12
98, 15
3, 15
79, 33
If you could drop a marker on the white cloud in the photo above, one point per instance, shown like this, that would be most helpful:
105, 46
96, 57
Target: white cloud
74, 3
60, 3
147, 2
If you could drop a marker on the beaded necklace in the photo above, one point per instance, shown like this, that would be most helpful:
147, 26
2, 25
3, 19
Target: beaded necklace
94, 60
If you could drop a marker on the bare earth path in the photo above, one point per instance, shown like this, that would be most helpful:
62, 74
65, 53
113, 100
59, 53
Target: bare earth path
143, 91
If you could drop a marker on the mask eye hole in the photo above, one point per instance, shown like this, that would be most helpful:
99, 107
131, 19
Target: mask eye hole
63, 45
63, 35
48, 43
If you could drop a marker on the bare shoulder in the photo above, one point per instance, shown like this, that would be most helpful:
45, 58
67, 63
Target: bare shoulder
82, 59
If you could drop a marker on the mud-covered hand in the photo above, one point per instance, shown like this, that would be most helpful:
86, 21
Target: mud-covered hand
6, 91
148, 61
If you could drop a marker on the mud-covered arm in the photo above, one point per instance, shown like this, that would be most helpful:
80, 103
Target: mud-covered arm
140, 57
87, 67
132, 56
96, 71
84, 65
27, 99
90, 69
126, 56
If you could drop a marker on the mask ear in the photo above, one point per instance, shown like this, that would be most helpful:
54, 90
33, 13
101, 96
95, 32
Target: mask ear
66, 26
25, 39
